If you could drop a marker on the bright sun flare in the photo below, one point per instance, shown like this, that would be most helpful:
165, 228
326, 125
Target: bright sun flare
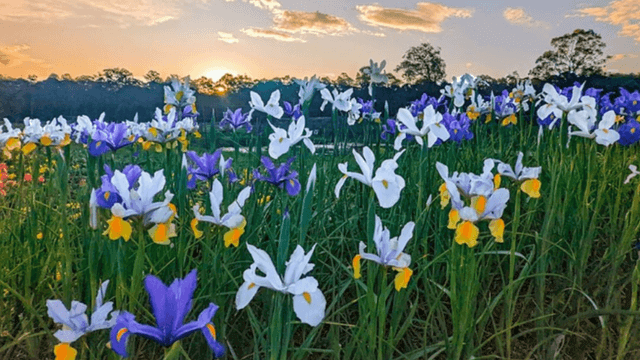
217, 73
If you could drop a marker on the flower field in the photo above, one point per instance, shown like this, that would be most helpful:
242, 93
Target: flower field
460, 226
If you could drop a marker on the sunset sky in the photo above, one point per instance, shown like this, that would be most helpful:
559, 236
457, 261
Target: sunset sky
268, 38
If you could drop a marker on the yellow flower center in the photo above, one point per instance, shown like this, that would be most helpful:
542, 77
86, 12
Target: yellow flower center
307, 297
212, 330
385, 183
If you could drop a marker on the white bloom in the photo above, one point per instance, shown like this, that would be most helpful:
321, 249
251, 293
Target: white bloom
376, 74
634, 173
308, 301
308, 87
341, 101
521, 172
389, 250
138, 201
431, 127
282, 141
75, 322
181, 95
605, 135
272, 107
233, 218
386, 184
10, 133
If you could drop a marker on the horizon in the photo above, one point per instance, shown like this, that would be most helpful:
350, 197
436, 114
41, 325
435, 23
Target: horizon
265, 39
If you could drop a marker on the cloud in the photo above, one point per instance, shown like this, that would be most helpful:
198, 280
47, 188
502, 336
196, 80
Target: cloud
270, 5
618, 57
426, 17
468, 65
517, 16
271, 34
227, 37
13, 56
317, 23
623, 13
123, 12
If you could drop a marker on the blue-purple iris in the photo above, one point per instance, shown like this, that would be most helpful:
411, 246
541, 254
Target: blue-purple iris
281, 176
107, 195
458, 126
235, 120
290, 110
189, 111
418, 106
629, 132
170, 305
107, 137
390, 129
503, 106
630, 101
207, 166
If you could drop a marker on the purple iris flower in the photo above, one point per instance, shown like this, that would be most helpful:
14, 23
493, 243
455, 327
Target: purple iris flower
107, 137
189, 111
458, 126
503, 106
418, 106
207, 166
294, 111
629, 132
235, 120
390, 129
548, 120
170, 306
281, 176
107, 195
367, 106
593, 92
631, 101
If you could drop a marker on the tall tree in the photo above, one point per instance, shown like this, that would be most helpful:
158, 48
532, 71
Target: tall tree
422, 63
117, 78
153, 76
580, 52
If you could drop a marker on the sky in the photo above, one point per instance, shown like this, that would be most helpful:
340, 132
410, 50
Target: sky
270, 38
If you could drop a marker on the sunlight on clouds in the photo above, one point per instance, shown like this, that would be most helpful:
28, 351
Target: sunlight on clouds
13, 56
271, 34
623, 13
123, 12
316, 23
427, 17
518, 16
227, 37
618, 57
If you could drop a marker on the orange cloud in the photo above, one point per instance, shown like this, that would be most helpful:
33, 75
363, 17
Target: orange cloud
13, 56
623, 13
271, 34
317, 23
518, 16
227, 37
426, 17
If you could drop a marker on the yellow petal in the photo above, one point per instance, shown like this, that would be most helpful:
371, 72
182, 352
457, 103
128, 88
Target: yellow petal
467, 233
232, 237
45, 140
64, 351
531, 187
160, 233
66, 141
27, 148
402, 278
454, 218
167, 109
356, 266
118, 228
158, 148
146, 145
444, 196
479, 203
194, 227
511, 119
496, 181
497, 229
153, 131
12, 144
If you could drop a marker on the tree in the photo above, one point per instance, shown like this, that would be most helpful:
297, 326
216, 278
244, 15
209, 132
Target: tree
422, 63
153, 76
579, 52
204, 85
230, 83
117, 78
344, 80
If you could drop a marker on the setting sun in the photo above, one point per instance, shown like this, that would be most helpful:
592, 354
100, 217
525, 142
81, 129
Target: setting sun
216, 73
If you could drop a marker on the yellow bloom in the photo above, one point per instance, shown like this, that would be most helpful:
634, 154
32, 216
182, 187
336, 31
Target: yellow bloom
511, 119
64, 351
497, 229
497, 179
487, 119
454, 219
12, 144
232, 237
356, 266
27, 148
467, 233
118, 228
531, 187
45, 140
444, 196
39, 236
160, 233
194, 227
402, 278
479, 203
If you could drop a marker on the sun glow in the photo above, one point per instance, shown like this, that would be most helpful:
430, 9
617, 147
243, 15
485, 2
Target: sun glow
216, 73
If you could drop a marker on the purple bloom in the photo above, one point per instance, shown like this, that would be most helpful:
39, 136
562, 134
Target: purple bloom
109, 137
207, 166
236, 120
418, 106
170, 306
367, 106
107, 195
458, 126
389, 129
190, 111
281, 176
294, 111
629, 132
630, 101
